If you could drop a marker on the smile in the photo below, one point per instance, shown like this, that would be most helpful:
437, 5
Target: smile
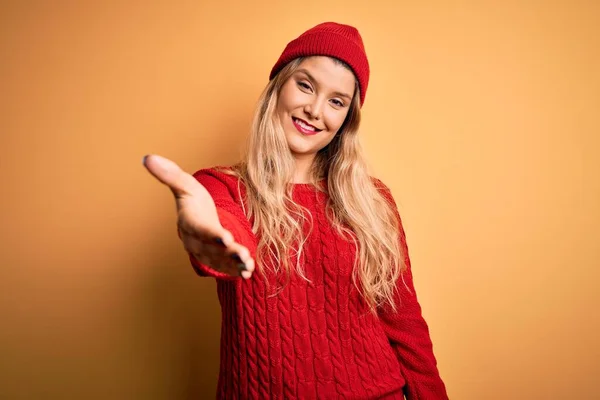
304, 127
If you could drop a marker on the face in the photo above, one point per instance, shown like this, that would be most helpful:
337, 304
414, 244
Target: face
313, 104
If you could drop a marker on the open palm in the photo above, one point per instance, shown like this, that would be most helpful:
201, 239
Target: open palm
202, 234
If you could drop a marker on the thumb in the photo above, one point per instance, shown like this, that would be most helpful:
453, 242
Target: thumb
169, 173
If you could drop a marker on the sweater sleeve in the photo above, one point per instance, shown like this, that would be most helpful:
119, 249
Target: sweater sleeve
231, 217
408, 334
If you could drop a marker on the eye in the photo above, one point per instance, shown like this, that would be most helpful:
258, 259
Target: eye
304, 85
337, 103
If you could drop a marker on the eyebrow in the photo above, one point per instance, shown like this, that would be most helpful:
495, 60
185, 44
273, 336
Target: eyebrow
310, 77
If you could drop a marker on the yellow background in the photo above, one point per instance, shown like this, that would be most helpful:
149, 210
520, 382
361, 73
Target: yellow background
483, 118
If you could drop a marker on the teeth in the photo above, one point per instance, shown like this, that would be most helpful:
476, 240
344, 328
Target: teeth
303, 125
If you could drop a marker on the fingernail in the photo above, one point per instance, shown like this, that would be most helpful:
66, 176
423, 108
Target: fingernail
219, 241
246, 274
242, 267
236, 257
144, 159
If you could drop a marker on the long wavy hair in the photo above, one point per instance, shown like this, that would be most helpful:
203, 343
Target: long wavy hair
356, 207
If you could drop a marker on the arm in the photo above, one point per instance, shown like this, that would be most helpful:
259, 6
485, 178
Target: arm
198, 220
408, 334
231, 217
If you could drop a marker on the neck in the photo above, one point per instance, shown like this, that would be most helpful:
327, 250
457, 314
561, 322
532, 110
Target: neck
303, 167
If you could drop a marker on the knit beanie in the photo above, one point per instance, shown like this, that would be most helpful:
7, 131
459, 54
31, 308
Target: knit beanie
334, 40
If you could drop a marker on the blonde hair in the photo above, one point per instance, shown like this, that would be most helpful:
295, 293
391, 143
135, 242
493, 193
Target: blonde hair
356, 207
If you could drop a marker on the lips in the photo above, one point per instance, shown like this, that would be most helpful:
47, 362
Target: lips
304, 127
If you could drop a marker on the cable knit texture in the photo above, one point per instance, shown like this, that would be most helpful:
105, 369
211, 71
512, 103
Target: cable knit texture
315, 339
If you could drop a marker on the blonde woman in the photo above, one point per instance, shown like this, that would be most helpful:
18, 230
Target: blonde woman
308, 250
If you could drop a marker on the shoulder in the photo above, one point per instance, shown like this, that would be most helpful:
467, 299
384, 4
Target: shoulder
378, 183
383, 189
393, 206
220, 172
218, 178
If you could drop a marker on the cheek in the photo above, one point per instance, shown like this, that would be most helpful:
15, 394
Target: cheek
283, 99
336, 121
289, 98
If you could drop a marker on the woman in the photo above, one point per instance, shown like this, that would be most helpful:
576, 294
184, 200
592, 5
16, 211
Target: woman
308, 250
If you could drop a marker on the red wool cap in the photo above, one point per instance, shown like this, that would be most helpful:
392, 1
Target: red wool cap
334, 40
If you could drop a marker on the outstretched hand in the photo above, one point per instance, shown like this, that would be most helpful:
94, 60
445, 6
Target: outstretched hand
202, 234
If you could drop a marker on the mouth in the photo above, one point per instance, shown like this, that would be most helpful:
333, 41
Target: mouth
304, 127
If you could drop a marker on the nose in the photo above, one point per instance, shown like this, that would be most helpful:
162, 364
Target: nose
314, 108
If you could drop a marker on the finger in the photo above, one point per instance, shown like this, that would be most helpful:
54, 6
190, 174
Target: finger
169, 173
215, 252
240, 252
241, 255
226, 237
232, 260
224, 266
250, 266
223, 239
246, 274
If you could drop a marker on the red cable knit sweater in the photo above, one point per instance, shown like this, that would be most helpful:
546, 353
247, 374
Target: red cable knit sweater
317, 339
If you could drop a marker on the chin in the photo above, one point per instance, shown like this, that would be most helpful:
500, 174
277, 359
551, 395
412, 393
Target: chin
301, 150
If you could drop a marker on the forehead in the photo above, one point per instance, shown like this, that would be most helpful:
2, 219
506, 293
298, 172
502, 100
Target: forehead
329, 73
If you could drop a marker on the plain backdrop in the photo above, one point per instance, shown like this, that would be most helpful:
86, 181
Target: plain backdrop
481, 116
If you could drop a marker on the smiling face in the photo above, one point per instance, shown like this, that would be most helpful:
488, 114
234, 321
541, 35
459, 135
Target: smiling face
313, 104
